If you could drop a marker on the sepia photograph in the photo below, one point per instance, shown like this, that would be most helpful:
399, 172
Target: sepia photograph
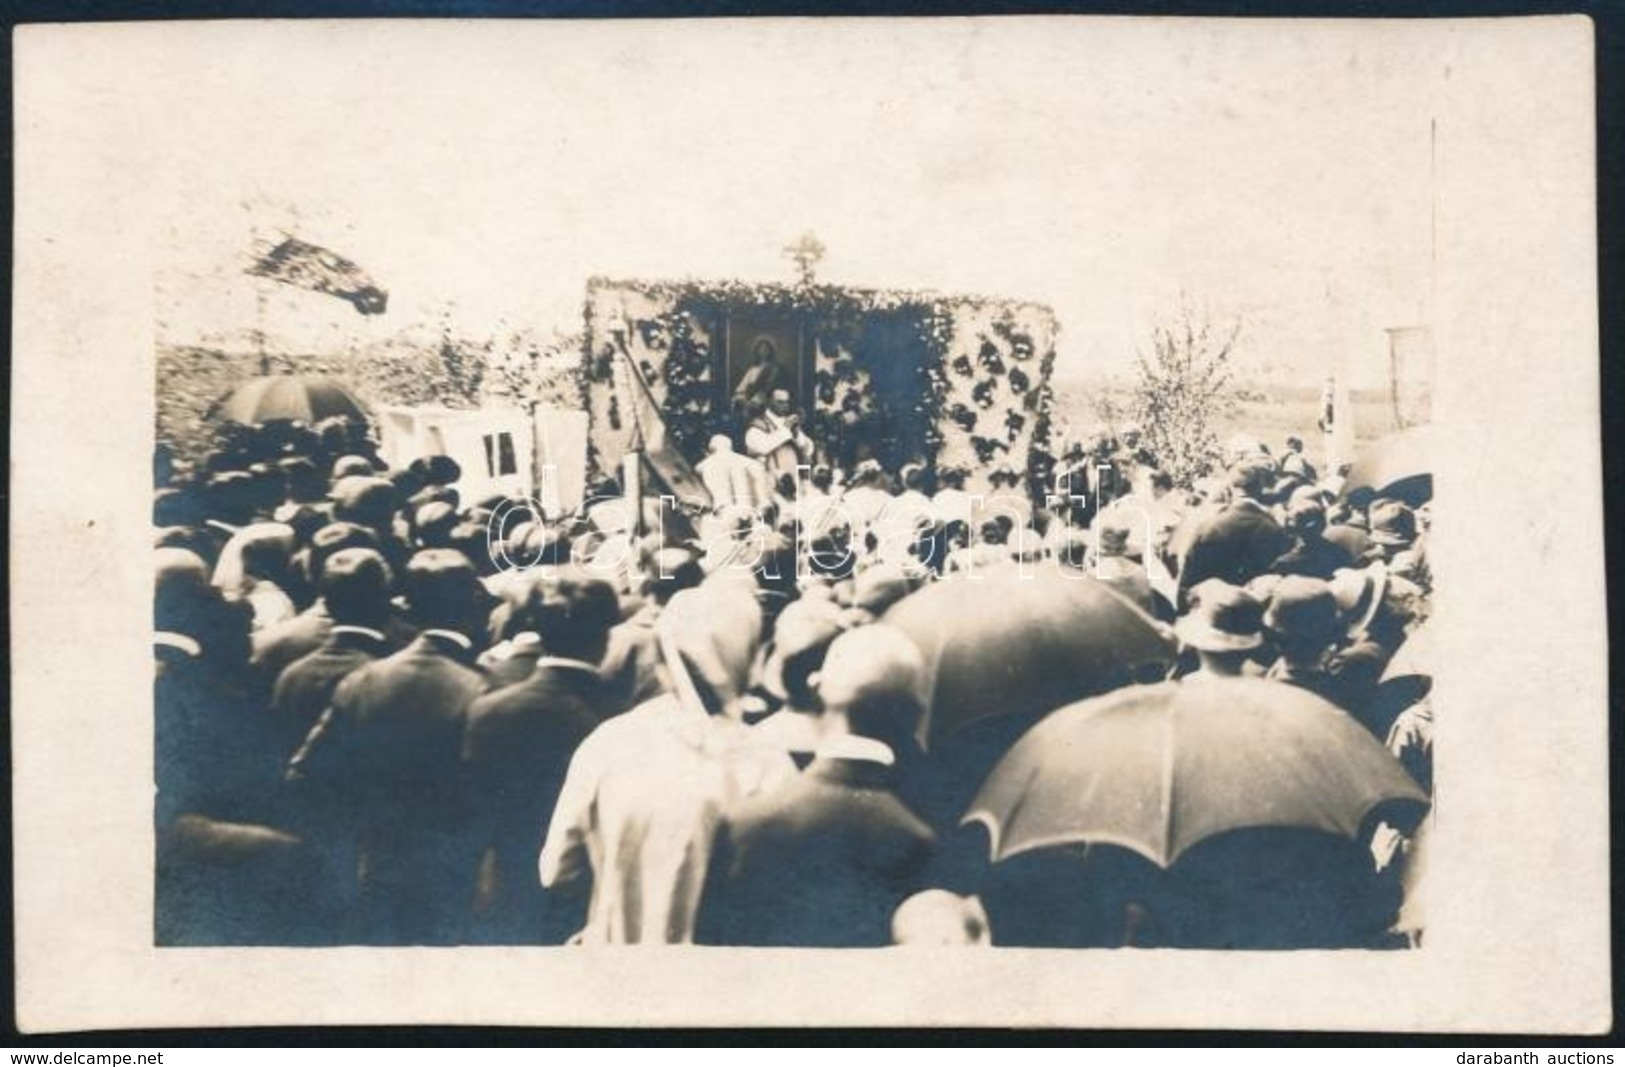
933, 490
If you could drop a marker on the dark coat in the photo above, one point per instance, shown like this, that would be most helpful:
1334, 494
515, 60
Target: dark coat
389, 753
1237, 544
276, 647
823, 862
1348, 678
1312, 556
305, 687
516, 750
226, 867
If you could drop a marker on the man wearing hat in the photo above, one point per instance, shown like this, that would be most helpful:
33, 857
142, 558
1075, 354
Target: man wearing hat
518, 745
1393, 529
1112, 565
355, 467
389, 750
1311, 554
1225, 627
356, 584
436, 470
1241, 540
254, 567
277, 646
792, 660
826, 860
432, 524
1306, 625
516, 642
222, 841
370, 502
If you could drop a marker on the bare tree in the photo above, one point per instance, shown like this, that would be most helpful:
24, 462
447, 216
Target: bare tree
1184, 386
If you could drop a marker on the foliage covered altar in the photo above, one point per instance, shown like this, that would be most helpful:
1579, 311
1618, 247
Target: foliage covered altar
953, 382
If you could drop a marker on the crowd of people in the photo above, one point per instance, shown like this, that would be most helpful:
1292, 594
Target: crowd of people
389, 715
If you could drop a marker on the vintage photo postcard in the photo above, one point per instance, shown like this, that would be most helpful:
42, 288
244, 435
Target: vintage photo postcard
1086, 522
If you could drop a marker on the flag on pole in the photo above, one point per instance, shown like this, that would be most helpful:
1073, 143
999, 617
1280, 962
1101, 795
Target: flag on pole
651, 439
307, 266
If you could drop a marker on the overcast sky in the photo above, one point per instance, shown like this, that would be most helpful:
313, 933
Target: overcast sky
1101, 167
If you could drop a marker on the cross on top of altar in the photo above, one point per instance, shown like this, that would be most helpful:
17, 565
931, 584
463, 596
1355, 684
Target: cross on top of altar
805, 253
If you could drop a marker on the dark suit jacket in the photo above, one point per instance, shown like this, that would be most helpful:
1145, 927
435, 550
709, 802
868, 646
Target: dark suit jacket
1236, 544
389, 749
1314, 557
305, 687
517, 747
215, 762
825, 861
276, 647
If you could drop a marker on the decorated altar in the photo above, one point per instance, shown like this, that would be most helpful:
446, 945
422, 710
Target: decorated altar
952, 382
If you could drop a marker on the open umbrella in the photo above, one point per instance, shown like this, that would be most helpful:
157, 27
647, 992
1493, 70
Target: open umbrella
1414, 657
1158, 769
308, 398
1018, 640
1406, 679
1398, 466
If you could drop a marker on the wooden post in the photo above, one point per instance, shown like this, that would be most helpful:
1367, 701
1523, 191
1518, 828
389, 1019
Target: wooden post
632, 489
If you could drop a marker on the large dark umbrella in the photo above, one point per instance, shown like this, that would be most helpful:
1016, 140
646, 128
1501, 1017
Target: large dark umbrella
1407, 678
1398, 466
1159, 769
307, 398
1023, 639
1414, 657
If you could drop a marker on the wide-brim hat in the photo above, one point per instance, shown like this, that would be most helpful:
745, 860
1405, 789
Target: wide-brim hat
1351, 539
1221, 618
805, 625
1195, 631
352, 466
363, 498
712, 631
1302, 608
1359, 592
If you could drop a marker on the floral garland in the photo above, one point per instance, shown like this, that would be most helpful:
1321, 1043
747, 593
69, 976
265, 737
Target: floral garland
996, 395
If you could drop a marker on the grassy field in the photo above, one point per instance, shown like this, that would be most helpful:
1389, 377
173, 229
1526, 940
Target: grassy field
1268, 412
